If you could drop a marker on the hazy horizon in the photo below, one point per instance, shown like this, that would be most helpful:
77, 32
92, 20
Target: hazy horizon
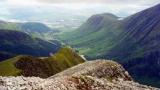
53, 11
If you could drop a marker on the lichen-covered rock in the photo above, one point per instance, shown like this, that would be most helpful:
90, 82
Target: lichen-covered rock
98, 68
20, 83
92, 75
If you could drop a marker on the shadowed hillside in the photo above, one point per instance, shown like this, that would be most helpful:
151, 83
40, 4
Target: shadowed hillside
137, 47
15, 43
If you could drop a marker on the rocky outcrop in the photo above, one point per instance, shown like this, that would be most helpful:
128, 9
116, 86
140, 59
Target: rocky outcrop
92, 75
99, 68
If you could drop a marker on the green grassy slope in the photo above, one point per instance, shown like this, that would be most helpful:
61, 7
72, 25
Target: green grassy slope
95, 36
42, 67
7, 67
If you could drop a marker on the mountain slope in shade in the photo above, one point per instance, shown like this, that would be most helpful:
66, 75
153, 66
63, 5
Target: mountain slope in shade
16, 43
93, 75
40, 67
141, 29
137, 47
5, 55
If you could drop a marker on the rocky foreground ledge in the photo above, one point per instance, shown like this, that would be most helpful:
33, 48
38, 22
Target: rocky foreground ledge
91, 75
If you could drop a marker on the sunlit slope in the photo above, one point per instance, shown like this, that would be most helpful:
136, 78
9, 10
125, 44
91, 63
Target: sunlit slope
95, 36
41, 67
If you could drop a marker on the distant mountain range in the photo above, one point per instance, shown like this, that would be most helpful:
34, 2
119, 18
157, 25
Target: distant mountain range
62, 17
35, 29
133, 41
19, 43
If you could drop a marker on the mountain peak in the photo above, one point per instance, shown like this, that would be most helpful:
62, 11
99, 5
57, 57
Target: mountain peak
99, 17
109, 15
97, 21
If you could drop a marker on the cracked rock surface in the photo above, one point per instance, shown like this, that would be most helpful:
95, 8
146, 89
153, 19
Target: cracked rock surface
91, 75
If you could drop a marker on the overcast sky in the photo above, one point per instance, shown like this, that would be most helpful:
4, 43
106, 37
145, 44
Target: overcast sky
110, 2
118, 7
136, 4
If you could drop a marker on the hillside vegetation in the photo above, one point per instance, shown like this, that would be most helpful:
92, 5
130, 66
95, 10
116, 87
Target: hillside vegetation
95, 36
40, 67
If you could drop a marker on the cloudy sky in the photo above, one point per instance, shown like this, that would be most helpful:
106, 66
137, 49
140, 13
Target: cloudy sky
137, 3
121, 8
122, 2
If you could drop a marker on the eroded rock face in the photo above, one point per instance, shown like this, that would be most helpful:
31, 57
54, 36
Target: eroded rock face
92, 75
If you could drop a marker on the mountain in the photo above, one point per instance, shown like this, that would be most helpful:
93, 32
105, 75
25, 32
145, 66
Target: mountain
92, 75
15, 43
35, 29
94, 36
63, 18
134, 42
38, 29
137, 47
40, 66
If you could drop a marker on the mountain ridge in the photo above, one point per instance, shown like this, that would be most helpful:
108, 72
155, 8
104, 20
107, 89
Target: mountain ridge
36, 29
40, 66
